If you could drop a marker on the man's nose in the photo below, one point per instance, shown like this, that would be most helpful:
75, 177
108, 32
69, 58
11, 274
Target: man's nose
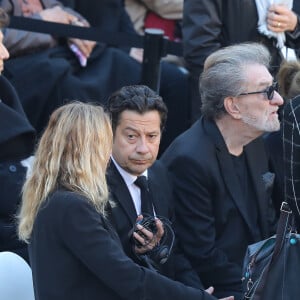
142, 145
277, 99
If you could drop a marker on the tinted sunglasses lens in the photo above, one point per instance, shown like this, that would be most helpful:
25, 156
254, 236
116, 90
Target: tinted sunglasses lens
270, 91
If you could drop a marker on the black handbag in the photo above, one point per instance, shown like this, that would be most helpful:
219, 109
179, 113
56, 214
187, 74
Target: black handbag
272, 266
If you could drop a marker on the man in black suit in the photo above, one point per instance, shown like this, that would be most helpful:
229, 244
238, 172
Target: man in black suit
138, 118
219, 166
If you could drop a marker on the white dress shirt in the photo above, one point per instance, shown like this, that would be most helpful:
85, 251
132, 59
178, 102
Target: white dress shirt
134, 190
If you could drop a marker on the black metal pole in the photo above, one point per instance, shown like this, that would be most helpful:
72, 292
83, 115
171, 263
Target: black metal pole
154, 50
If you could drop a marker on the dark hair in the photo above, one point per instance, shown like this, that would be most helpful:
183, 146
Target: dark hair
4, 18
138, 98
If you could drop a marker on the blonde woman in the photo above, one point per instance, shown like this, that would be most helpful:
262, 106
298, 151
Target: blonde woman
74, 252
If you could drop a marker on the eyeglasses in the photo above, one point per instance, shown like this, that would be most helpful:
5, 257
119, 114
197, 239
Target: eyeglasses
269, 91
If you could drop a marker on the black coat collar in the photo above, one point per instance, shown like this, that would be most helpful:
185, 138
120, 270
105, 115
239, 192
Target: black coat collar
257, 163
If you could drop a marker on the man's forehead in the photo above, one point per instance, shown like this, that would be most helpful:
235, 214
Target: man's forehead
258, 75
131, 115
147, 122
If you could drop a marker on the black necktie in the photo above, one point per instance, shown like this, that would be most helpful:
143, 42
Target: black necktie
146, 203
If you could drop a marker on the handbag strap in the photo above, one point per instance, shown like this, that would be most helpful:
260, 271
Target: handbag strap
282, 227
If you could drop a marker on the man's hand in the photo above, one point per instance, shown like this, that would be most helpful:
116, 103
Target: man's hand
58, 15
85, 46
210, 290
146, 238
281, 19
137, 54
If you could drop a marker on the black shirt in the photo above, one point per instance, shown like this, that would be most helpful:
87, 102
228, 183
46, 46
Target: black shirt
246, 184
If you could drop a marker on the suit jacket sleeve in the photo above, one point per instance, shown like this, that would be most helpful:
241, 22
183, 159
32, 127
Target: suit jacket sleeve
202, 25
293, 38
126, 24
88, 237
196, 223
183, 269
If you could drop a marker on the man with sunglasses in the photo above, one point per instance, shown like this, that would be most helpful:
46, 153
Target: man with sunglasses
219, 166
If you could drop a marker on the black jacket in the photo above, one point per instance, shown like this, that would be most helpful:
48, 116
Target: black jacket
16, 143
76, 255
214, 223
123, 217
211, 24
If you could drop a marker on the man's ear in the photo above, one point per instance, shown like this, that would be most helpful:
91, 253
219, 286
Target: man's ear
232, 108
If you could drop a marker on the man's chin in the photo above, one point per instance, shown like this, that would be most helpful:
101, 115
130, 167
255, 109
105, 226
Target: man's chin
275, 126
138, 169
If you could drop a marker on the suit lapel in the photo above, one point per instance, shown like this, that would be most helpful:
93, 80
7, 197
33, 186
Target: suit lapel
156, 194
227, 170
257, 165
120, 192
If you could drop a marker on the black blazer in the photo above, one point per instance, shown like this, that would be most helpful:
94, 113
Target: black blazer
76, 255
123, 217
213, 223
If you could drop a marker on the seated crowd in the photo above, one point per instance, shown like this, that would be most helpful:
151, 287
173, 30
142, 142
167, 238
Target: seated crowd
108, 190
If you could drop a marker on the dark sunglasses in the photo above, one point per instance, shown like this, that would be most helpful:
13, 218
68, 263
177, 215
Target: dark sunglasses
269, 91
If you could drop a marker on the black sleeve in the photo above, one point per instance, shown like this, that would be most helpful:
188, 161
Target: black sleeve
99, 250
293, 38
202, 26
195, 223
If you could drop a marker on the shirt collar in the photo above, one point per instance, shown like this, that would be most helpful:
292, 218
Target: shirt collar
128, 178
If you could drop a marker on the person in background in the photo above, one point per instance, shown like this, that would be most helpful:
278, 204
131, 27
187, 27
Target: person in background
291, 156
164, 15
48, 71
209, 25
288, 78
111, 17
170, 10
17, 138
138, 117
219, 167
73, 249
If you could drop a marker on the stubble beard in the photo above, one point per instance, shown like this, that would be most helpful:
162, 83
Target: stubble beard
263, 124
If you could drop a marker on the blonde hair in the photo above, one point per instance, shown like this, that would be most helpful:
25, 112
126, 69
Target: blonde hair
73, 153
